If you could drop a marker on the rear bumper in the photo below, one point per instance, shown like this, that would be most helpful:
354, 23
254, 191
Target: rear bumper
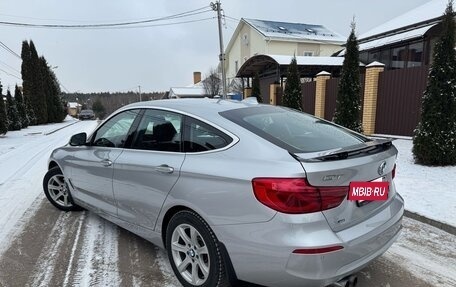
262, 253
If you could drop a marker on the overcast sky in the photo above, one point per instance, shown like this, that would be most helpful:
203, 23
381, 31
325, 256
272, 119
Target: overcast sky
162, 56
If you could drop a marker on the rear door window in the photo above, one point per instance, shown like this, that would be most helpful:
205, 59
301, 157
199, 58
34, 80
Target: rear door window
159, 130
294, 131
199, 136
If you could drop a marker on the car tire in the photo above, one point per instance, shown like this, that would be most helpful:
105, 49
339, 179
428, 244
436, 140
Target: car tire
194, 252
57, 191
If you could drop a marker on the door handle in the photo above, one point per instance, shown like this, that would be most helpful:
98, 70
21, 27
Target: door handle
164, 168
106, 162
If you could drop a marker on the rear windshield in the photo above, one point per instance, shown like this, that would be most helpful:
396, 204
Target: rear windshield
292, 130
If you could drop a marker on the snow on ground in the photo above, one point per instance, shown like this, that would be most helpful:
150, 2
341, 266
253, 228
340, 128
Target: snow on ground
428, 191
23, 163
425, 251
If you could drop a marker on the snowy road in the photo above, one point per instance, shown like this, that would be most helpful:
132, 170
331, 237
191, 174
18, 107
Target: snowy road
40, 246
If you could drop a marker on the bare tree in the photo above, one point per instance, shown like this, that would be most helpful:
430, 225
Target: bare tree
237, 86
212, 83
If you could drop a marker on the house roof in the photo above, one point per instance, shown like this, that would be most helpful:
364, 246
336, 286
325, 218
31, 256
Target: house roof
308, 66
74, 105
410, 25
308, 60
424, 15
294, 31
285, 31
395, 38
187, 92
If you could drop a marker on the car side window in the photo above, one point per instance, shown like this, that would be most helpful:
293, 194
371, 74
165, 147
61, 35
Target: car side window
199, 136
159, 130
114, 132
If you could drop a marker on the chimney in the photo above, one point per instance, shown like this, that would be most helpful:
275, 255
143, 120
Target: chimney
196, 77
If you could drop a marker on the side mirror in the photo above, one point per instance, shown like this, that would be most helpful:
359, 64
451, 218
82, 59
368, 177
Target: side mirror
78, 139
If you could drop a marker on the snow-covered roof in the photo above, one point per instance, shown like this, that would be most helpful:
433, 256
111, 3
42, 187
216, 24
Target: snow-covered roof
410, 25
396, 38
309, 60
309, 66
187, 92
295, 31
428, 11
74, 105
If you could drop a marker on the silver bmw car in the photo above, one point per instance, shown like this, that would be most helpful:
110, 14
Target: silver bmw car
235, 190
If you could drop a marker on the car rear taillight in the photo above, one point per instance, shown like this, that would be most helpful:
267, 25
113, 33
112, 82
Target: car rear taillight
393, 173
296, 195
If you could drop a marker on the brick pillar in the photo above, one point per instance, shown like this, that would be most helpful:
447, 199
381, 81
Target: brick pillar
247, 92
273, 90
320, 93
373, 71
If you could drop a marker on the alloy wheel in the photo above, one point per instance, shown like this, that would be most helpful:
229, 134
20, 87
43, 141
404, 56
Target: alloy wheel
58, 190
190, 254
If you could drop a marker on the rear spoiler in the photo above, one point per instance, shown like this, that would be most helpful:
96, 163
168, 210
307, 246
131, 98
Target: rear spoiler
369, 147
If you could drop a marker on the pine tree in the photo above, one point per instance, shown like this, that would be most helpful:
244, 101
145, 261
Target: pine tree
51, 92
434, 141
21, 107
27, 81
13, 115
256, 92
348, 106
38, 94
30, 111
3, 116
292, 96
98, 109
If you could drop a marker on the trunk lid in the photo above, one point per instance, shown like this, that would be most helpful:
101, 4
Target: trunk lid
355, 163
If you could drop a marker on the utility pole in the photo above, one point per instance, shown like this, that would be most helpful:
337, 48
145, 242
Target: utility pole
217, 7
139, 88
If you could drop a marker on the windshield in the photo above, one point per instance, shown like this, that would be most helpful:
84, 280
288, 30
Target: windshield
292, 130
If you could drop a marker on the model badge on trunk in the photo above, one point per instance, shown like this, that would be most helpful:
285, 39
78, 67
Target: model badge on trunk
332, 177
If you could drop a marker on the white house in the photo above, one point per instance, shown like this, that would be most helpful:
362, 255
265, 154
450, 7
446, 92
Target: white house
74, 108
254, 37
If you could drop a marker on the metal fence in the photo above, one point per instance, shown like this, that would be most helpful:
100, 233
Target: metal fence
308, 91
399, 100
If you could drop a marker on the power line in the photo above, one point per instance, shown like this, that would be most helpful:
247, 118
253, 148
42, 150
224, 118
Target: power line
12, 68
10, 74
108, 25
82, 21
231, 18
64, 87
5, 47
155, 25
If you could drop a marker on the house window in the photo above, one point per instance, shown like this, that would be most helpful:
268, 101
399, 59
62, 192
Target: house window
374, 56
308, 53
398, 57
364, 57
236, 66
415, 55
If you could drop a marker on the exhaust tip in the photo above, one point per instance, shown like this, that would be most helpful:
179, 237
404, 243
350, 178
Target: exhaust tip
349, 281
352, 281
